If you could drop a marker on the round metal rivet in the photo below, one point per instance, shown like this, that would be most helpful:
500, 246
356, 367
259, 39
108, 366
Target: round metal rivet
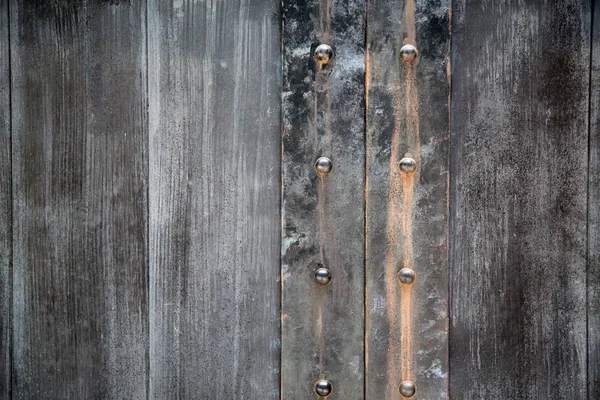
407, 164
323, 54
408, 388
407, 276
323, 387
323, 166
322, 276
409, 53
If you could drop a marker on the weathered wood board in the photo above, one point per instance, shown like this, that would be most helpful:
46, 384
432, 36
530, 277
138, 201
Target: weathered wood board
593, 281
215, 151
323, 216
519, 134
80, 209
5, 207
406, 212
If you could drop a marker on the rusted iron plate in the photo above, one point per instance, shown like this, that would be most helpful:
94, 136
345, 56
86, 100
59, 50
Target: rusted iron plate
323, 225
407, 199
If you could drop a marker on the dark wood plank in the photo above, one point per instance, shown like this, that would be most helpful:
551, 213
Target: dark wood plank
80, 203
323, 221
215, 151
5, 207
406, 212
520, 75
593, 282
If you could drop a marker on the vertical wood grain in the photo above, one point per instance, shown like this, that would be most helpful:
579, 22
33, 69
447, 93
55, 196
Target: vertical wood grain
323, 220
593, 282
518, 209
406, 212
214, 91
5, 207
80, 219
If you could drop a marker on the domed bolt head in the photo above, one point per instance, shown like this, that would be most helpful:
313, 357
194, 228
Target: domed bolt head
408, 388
323, 54
323, 387
407, 276
323, 166
322, 275
409, 53
407, 165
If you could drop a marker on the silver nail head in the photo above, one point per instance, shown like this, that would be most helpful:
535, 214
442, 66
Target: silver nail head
323, 54
407, 276
322, 276
409, 53
408, 388
323, 166
407, 165
323, 387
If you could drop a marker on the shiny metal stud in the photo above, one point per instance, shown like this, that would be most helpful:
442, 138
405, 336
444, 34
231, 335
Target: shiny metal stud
323, 54
407, 276
322, 275
408, 388
323, 166
407, 165
323, 387
409, 53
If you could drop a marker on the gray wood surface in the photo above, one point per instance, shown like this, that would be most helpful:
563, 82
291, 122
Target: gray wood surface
593, 283
406, 213
5, 207
323, 218
215, 151
520, 75
80, 209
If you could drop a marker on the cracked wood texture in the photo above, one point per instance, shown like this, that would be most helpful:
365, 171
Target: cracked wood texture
5, 207
406, 212
79, 179
520, 75
215, 150
323, 221
594, 216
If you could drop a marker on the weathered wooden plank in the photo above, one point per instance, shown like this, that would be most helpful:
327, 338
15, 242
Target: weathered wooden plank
215, 151
323, 220
5, 207
593, 281
520, 76
406, 212
80, 202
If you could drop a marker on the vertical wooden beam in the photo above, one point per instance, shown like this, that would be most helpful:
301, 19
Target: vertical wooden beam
215, 151
518, 184
79, 172
593, 264
406, 210
323, 220
5, 207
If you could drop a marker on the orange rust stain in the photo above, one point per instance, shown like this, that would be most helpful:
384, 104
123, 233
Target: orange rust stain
400, 217
410, 21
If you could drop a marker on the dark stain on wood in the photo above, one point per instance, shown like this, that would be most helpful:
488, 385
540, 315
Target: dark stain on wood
5, 208
80, 200
323, 115
593, 262
519, 163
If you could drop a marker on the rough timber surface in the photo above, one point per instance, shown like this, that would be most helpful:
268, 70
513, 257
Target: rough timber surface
407, 219
519, 134
214, 98
593, 285
323, 217
5, 207
79, 179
